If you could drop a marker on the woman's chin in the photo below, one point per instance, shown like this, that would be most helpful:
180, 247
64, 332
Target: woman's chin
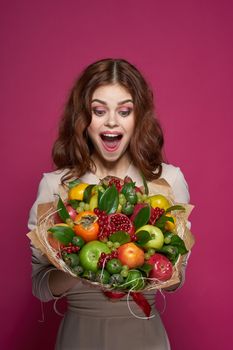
112, 157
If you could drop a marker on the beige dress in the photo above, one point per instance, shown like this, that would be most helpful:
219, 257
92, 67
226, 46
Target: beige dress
93, 322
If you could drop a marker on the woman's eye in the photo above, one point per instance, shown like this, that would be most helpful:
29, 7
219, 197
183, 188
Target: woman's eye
99, 112
125, 112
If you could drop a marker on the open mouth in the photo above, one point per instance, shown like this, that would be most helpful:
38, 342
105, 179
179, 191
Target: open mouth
111, 141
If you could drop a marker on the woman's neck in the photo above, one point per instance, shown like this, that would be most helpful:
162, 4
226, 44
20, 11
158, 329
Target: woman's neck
118, 168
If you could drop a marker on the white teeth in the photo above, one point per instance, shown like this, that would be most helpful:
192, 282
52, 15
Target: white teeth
110, 135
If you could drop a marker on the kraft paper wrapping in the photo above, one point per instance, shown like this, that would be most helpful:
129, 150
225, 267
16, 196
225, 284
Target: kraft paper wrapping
46, 211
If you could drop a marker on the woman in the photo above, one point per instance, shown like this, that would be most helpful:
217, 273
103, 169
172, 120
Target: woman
108, 128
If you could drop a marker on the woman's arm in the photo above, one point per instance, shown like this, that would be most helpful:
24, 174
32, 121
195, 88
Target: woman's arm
47, 281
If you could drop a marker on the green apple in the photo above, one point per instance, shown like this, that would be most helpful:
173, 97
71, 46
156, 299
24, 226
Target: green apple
90, 253
157, 238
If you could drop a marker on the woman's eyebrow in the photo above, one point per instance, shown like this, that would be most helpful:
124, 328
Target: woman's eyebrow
125, 101
104, 103
100, 101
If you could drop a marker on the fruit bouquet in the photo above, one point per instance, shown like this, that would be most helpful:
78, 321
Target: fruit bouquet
115, 235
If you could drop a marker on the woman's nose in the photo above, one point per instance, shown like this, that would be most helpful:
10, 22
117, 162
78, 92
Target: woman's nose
111, 119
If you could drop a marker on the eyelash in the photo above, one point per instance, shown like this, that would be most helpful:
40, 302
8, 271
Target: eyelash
123, 113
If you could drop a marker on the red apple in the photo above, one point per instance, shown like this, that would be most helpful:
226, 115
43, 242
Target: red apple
162, 268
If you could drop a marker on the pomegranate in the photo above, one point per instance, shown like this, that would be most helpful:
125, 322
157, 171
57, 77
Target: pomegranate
120, 222
109, 224
155, 214
113, 180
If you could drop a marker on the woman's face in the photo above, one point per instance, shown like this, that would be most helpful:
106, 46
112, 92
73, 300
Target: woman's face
113, 121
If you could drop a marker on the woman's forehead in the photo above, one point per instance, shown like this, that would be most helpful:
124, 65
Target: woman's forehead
112, 92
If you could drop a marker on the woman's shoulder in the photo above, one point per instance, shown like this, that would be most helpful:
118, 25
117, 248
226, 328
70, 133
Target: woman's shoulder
170, 172
51, 180
55, 175
175, 177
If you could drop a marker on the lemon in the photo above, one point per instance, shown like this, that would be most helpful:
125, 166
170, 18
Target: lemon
160, 201
77, 192
170, 226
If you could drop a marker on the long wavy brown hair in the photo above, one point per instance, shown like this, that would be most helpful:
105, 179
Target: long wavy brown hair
73, 149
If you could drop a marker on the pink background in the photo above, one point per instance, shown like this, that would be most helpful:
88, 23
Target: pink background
185, 49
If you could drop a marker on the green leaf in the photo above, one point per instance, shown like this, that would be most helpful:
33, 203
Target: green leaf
74, 203
145, 184
171, 252
62, 211
174, 207
168, 249
167, 237
160, 223
128, 188
63, 234
73, 183
109, 200
100, 194
121, 237
178, 242
143, 237
142, 217
146, 268
87, 193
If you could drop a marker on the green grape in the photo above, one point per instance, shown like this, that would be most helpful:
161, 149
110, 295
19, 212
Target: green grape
140, 200
122, 199
81, 204
109, 244
144, 197
119, 208
79, 210
116, 245
147, 256
86, 206
124, 273
151, 251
